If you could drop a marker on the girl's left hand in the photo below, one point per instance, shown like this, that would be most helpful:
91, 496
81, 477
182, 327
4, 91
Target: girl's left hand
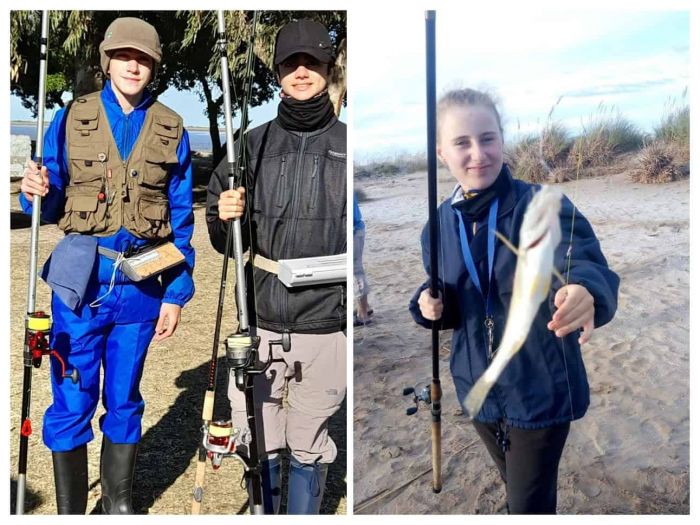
575, 309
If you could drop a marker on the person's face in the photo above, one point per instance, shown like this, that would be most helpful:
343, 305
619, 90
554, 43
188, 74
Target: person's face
471, 145
130, 71
302, 76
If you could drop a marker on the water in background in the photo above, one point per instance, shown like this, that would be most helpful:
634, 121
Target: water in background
199, 140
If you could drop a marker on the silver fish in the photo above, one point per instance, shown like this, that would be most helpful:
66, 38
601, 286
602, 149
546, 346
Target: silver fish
540, 234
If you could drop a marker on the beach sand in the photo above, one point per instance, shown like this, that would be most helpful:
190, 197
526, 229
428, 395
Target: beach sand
628, 455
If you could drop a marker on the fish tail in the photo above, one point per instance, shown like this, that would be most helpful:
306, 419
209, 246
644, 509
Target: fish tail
477, 395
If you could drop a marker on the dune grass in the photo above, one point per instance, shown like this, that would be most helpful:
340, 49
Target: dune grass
666, 158
607, 141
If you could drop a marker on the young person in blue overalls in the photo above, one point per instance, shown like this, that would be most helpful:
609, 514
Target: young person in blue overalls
116, 178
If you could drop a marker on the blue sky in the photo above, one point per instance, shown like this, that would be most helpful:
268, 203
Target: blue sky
632, 62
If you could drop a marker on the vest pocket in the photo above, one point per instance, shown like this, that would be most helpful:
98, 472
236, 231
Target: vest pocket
157, 169
83, 212
153, 217
85, 120
87, 163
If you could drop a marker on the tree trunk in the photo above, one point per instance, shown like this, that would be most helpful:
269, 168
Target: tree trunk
337, 82
213, 116
87, 78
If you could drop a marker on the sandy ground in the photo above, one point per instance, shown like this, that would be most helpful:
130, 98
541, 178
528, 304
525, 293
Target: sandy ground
629, 454
173, 386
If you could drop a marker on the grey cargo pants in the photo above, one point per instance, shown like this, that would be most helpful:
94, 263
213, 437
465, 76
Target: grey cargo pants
315, 391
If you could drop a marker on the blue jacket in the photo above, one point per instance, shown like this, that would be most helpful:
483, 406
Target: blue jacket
357, 222
178, 285
545, 383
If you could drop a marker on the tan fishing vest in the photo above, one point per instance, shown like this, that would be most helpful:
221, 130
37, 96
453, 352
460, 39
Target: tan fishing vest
105, 191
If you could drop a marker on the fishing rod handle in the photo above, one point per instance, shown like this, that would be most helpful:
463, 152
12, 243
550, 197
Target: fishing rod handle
241, 291
437, 456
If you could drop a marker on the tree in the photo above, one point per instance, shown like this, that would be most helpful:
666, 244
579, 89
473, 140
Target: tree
191, 57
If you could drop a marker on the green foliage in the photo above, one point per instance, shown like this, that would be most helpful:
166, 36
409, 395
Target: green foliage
675, 126
191, 56
606, 135
56, 82
400, 165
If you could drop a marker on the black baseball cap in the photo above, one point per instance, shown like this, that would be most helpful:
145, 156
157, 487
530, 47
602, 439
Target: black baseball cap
303, 36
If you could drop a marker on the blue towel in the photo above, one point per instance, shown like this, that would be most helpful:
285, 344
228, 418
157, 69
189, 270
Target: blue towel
68, 268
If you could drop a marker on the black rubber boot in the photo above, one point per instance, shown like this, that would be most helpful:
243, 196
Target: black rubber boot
117, 475
306, 486
271, 485
71, 478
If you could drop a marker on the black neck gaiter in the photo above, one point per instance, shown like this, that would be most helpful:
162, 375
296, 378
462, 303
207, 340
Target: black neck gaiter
476, 207
305, 115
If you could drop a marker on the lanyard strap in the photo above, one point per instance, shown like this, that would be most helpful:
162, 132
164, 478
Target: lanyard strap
491, 248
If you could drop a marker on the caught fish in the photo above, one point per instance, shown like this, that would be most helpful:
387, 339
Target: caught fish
540, 234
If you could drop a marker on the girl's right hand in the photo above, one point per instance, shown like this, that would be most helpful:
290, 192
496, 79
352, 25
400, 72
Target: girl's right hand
34, 182
231, 204
430, 307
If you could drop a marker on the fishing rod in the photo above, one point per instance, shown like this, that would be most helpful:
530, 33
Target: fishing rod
37, 324
219, 438
432, 394
435, 389
36, 328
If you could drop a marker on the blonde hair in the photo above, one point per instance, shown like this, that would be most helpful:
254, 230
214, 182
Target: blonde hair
466, 97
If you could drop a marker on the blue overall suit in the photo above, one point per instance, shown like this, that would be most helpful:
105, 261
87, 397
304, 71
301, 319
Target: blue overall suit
115, 334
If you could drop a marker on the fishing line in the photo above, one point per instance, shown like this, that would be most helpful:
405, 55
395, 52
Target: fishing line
569, 252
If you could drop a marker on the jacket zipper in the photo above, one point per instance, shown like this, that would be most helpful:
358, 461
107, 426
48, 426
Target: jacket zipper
291, 231
281, 184
314, 184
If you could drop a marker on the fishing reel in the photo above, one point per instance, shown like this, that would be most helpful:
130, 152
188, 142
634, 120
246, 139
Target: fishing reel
418, 397
36, 344
219, 439
241, 353
241, 350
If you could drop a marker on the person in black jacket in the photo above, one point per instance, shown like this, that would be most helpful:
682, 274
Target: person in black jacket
525, 419
297, 200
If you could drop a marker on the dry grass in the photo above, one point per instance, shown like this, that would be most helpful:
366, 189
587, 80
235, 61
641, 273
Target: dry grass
527, 162
658, 162
173, 385
605, 137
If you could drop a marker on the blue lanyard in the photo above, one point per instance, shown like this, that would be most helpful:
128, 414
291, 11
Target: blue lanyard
491, 247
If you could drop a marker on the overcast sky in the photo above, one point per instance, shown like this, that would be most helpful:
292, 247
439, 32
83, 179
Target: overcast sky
630, 61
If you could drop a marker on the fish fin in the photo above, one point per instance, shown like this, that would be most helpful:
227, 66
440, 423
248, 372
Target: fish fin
507, 242
477, 395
